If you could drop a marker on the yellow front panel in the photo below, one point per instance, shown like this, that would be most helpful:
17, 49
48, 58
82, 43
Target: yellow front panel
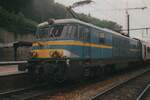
48, 53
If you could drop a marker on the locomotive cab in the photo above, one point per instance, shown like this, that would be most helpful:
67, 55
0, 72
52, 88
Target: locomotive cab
62, 48
53, 48
48, 36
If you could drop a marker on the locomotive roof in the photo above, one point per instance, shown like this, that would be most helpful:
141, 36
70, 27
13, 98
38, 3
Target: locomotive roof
63, 21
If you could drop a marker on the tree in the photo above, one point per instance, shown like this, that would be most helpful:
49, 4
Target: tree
19, 13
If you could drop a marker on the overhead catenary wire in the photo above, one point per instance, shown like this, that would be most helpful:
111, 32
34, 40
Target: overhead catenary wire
114, 8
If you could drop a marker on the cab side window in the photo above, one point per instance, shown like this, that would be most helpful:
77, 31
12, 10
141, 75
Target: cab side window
70, 31
84, 33
101, 38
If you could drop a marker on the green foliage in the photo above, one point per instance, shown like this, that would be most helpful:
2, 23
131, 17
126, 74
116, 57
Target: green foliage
16, 23
18, 15
101, 23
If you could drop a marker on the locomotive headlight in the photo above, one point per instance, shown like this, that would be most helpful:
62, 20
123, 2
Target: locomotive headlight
34, 54
35, 44
56, 53
59, 53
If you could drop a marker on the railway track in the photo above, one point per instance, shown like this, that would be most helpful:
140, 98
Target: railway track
12, 84
88, 90
25, 93
19, 86
127, 89
40, 91
145, 94
11, 81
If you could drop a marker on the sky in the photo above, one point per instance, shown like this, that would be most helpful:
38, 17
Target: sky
114, 10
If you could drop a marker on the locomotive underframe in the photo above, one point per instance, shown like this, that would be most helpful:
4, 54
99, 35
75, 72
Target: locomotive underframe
68, 69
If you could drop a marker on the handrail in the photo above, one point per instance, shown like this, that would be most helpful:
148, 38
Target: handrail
12, 63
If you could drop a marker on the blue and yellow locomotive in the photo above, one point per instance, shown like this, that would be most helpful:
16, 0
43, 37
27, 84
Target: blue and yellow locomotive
69, 49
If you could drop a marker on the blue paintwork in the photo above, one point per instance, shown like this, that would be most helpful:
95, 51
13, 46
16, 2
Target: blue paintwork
120, 47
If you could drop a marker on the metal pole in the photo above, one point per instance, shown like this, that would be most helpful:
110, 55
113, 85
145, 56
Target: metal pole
147, 31
128, 18
128, 23
15, 53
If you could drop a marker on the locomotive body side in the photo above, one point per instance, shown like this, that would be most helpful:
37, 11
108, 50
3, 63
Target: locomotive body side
71, 49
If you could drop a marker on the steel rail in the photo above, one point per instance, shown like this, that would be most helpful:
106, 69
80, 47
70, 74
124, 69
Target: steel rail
117, 85
10, 74
143, 93
11, 92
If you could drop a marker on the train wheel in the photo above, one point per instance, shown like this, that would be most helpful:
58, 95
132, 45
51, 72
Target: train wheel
60, 74
109, 69
41, 74
86, 72
100, 73
22, 67
93, 72
31, 72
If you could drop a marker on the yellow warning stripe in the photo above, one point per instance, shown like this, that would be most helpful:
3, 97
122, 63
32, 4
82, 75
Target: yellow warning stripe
71, 43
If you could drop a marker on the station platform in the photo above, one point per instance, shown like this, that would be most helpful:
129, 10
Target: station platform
9, 69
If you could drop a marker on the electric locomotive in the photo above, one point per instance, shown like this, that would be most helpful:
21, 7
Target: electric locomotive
69, 49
